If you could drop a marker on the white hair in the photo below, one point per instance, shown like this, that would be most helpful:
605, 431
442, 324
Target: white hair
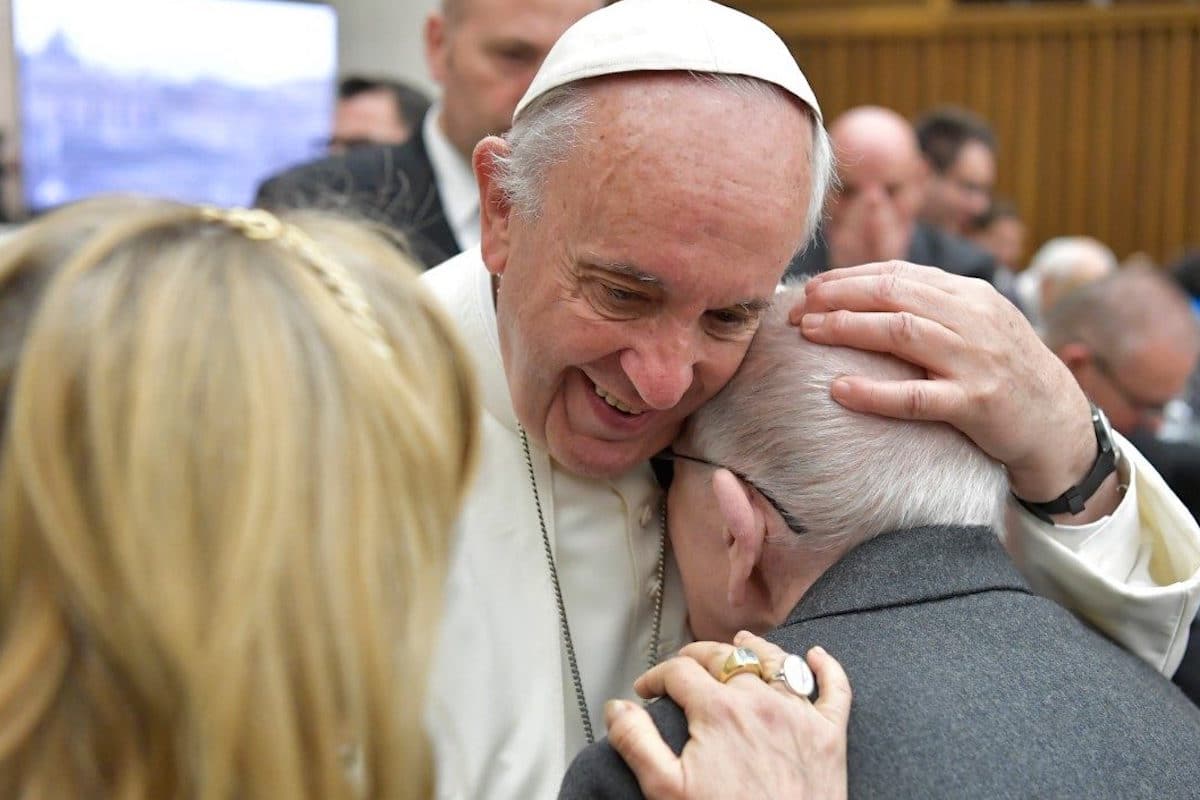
846, 477
1062, 263
549, 127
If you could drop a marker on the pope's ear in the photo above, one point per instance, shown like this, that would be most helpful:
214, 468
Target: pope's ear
745, 532
495, 209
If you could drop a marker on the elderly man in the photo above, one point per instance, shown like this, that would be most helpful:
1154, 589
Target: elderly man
620, 279
874, 217
960, 149
483, 53
1132, 342
1059, 267
876, 539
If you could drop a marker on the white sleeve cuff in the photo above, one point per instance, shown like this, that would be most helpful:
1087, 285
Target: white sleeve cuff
1134, 574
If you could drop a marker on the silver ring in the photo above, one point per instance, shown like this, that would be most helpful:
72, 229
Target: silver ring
796, 677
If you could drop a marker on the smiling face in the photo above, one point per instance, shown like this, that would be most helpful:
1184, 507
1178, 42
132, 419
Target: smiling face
632, 297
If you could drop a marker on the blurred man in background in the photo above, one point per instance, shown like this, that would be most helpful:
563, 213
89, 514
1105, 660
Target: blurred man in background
483, 53
875, 216
375, 111
1131, 341
1002, 233
960, 149
1058, 268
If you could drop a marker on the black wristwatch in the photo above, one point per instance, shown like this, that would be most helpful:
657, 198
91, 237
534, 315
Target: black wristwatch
1073, 500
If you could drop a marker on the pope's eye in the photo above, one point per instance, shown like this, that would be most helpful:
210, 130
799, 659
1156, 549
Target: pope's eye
620, 295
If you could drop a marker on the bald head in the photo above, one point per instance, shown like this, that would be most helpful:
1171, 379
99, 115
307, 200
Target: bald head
874, 133
1131, 340
883, 178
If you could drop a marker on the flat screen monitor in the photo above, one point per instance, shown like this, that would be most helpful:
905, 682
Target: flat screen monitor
196, 100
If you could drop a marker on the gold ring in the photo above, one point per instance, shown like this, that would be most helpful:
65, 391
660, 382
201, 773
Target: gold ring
739, 661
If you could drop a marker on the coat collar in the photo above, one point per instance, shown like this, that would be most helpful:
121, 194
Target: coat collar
918, 565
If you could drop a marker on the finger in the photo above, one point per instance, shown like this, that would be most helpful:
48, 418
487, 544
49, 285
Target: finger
929, 400
684, 679
771, 655
633, 735
834, 687
931, 275
928, 344
888, 293
713, 656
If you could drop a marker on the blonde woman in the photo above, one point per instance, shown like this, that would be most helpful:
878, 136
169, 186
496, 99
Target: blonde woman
234, 448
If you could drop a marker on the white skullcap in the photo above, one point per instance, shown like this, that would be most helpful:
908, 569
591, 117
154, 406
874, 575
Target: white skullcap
669, 35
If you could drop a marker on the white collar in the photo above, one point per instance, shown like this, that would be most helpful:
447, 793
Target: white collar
455, 181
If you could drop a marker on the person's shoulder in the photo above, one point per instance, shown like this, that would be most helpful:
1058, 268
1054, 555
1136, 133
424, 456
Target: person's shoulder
600, 772
365, 170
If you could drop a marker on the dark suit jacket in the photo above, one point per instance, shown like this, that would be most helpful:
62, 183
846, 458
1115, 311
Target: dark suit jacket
930, 246
966, 685
388, 184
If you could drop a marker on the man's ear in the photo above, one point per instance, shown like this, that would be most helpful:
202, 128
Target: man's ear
495, 210
1076, 355
436, 46
745, 532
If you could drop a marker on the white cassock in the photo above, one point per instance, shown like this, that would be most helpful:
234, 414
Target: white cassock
502, 711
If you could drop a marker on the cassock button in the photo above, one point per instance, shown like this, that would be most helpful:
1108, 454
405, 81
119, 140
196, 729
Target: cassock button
647, 515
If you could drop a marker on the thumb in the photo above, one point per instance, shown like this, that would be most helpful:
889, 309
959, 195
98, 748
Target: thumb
633, 735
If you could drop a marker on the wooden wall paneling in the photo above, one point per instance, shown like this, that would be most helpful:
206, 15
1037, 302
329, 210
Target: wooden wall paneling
1191, 235
1099, 188
931, 63
861, 74
1051, 119
980, 71
1126, 154
1076, 131
889, 79
1005, 116
1151, 123
954, 72
908, 67
1028, 150
1180, 141
1096, 108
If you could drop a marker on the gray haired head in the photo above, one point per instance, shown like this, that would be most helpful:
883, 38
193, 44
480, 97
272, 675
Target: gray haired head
846, 476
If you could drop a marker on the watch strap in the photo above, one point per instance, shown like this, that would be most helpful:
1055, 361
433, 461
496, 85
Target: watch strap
1073, 500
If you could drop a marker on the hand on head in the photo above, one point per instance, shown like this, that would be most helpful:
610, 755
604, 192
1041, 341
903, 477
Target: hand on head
989, 375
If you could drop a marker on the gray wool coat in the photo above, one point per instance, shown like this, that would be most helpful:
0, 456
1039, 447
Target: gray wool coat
967, 685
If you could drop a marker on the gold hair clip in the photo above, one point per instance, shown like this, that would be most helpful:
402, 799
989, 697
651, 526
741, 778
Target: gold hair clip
261, 225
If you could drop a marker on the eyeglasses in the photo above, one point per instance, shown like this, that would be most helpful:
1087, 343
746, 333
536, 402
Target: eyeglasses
1141, 407
669, 455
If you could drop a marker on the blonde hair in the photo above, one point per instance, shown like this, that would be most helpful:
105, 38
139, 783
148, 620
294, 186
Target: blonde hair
226, 516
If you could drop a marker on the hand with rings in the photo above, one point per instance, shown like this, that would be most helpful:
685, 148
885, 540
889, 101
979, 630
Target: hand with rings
727, 693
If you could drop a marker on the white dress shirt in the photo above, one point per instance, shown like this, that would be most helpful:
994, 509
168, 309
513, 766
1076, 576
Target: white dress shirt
502, 712
455, 181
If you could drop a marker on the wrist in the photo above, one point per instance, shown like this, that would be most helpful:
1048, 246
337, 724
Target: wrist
1090, 497
1059, 466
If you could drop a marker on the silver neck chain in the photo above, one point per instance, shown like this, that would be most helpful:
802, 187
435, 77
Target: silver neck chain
564, 625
